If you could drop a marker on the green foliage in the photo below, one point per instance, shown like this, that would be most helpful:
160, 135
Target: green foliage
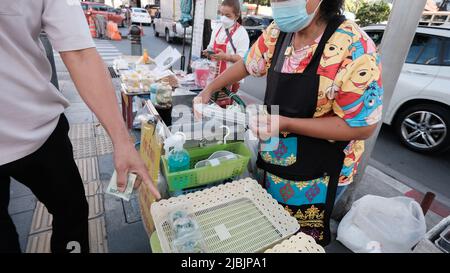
261, 2
353, 5
373, 12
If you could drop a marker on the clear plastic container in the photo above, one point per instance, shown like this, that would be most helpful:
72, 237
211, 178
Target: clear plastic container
444, 241
201, 72
131, 80
147, 79
164, 96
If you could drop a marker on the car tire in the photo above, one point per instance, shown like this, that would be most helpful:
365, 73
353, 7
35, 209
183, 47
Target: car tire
167, 37
156, 33
424, 128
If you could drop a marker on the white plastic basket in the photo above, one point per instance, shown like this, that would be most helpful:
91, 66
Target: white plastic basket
237, 217
299, 243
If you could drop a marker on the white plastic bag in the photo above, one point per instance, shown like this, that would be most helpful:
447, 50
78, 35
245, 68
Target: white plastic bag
252, 143
378, 224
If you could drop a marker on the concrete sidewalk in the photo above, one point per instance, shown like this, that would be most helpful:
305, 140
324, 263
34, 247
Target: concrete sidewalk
114, 225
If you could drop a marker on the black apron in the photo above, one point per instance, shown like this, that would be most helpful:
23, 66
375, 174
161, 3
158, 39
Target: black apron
297, 95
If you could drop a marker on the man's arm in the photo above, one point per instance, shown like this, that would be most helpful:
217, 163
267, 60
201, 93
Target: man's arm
95, 87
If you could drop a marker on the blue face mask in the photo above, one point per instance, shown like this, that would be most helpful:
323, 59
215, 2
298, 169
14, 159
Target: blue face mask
291, 15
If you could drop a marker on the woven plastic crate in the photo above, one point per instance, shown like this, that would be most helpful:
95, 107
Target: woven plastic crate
191, 178
237, 217
200, 188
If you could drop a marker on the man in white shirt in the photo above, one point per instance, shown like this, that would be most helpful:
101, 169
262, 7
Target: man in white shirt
34, 146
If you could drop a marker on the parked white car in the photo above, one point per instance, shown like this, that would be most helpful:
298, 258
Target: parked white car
420, 107
140, 16
166, 22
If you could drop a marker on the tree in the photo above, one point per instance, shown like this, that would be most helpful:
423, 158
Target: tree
353, 5
373, 12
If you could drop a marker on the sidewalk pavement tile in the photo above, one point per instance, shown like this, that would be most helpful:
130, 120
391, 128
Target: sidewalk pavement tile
77, 107
18, 189
437, 207
432, 219
96, 207
104, 145
129, 238
83, 148
22, 221
69, 91
99, 130
39, 243
132, 209
92, 188
122, 236
88, 168
79, 117
97, 236
42, 219
22, 204
81, 130
106, 167
64, 76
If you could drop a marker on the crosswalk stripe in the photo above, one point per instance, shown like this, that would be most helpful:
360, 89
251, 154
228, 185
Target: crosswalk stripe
107, 51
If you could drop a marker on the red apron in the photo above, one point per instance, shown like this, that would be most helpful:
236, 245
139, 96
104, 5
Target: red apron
221, 66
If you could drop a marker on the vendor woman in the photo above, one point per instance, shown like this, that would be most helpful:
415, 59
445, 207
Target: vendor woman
229, 41
325, 75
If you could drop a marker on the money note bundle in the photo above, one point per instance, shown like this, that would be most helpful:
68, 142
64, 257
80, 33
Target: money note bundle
113, 190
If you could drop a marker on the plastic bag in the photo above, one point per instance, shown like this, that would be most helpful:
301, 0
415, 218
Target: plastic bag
252, 143
378, 224
187, 237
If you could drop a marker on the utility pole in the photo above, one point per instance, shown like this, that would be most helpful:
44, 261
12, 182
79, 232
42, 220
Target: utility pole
394, 48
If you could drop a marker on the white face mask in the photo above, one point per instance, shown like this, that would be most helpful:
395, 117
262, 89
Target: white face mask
226, 22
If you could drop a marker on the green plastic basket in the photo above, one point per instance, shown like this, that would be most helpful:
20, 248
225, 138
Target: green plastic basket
201, 176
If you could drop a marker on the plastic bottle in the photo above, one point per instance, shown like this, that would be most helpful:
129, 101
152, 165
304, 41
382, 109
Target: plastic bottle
145, 56
153, 90
178, 158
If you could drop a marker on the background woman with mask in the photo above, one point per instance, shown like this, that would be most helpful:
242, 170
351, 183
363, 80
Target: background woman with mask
229, 41
325, 75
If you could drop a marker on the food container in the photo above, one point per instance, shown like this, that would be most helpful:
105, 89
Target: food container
163, 95
444, 240
131, 79
147, 79
201, 72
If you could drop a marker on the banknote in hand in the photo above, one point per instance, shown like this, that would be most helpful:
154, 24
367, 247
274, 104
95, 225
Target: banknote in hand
113, 190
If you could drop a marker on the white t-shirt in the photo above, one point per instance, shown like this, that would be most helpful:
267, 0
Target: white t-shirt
30, 105
240, 40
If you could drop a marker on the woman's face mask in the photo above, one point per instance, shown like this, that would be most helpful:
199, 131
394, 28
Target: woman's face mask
226, 22
228, 17
291, 15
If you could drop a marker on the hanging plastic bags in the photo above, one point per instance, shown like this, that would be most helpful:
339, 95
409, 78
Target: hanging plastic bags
186, 10
391, 224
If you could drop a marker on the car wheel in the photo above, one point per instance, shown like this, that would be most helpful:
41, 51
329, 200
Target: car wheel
424, 128
167, 36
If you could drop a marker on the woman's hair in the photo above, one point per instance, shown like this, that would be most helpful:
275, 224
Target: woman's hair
330, 8
236, 6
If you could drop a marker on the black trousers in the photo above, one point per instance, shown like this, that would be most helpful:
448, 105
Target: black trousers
53, 177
